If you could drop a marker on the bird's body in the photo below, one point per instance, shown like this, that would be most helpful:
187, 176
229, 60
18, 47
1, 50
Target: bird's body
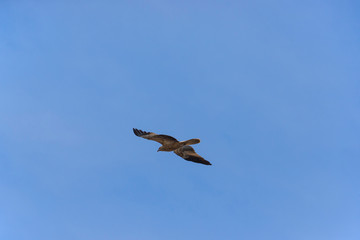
170, 144
173, 146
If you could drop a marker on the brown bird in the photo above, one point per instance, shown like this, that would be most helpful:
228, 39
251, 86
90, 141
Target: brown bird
170, 144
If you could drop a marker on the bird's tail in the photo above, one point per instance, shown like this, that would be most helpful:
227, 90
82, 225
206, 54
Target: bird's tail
190, 141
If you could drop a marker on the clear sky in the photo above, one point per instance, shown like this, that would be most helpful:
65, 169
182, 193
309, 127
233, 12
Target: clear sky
270, 87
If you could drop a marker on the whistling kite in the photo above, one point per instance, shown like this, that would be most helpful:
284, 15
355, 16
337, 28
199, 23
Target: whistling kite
170, 144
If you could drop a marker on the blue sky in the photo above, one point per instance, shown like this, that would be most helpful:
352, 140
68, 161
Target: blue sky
270, 87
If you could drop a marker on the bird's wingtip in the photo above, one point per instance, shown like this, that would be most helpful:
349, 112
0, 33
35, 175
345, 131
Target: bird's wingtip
135, 131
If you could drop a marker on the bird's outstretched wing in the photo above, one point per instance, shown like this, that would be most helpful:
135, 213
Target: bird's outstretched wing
160, 138
189, 154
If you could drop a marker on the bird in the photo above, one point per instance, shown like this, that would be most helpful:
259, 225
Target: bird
171, 144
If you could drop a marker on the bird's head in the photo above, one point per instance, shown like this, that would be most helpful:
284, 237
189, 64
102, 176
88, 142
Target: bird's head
160, 149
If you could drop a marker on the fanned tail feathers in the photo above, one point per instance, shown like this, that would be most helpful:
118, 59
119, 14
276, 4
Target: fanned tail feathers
191, 141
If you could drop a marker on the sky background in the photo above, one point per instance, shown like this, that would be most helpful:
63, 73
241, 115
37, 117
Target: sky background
270, 87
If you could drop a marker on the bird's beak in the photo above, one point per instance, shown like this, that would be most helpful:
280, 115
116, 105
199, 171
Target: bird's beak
158, 150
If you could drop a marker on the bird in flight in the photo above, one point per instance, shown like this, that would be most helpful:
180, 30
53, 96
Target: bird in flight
171, 144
